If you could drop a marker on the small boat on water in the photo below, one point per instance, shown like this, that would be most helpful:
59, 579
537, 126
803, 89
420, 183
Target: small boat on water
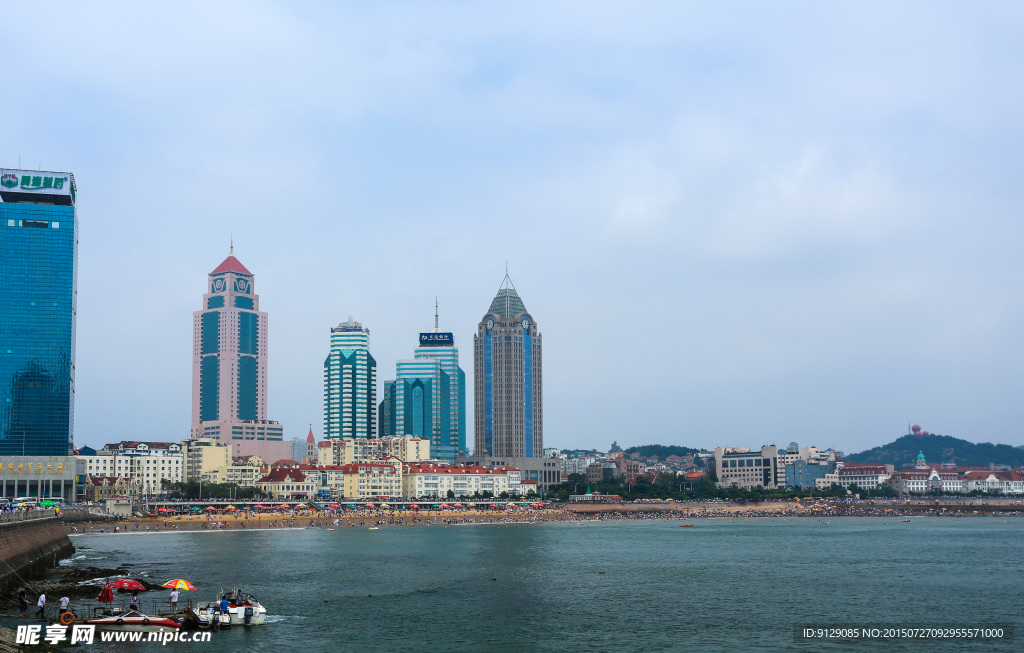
235, 608
686, 525
134, 621
906, 521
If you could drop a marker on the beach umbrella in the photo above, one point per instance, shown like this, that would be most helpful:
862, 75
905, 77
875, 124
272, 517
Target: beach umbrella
127, 584
212, 508
231, 508
414, 505
179, 584
368, 505
457, 505
351, 505
494, 505
335, 505
385, 505
161, 509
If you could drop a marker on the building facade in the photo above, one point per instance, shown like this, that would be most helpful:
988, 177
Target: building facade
149, 463
38, 305
507, 388
229, 366
43, 477
350, 384
437, 481
740, 467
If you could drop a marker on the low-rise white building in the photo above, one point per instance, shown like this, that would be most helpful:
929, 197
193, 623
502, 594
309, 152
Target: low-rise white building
434, 480
149, 463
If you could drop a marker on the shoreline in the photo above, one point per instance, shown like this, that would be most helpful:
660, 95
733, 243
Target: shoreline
567, 514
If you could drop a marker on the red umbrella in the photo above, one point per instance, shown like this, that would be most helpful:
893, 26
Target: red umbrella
126, 584
494, 505
414, 505
283, 505
369, 505
211, 508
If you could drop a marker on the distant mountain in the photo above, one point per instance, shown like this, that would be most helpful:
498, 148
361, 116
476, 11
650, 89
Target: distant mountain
941, 449
660, 450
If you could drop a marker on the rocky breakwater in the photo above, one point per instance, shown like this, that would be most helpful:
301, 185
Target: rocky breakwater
29, 546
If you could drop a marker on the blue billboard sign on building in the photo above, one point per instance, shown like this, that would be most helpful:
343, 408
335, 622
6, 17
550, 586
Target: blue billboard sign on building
434, 339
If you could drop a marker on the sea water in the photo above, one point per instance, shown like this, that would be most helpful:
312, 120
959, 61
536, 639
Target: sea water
633, 585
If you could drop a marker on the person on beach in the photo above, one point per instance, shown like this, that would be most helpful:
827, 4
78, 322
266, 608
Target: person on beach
65, 601
22, 602
174, 601
42, 606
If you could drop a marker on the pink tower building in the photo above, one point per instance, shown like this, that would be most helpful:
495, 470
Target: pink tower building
229, 367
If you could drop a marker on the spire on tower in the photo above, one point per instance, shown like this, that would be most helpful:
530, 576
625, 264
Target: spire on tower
232, 252
436, 329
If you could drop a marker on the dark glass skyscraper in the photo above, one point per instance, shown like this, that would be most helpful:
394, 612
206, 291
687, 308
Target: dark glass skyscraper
38, 297
507, 386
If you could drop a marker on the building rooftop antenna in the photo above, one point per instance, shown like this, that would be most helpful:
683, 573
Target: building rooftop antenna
436, 329
232, 244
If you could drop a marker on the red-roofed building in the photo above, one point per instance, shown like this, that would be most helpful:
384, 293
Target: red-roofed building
286, 483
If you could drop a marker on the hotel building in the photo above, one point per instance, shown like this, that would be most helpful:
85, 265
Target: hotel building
38, 304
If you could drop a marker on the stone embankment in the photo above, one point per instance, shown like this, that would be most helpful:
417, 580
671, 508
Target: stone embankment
29, 544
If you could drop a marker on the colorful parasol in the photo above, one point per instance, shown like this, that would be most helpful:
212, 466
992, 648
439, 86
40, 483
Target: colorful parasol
179, 584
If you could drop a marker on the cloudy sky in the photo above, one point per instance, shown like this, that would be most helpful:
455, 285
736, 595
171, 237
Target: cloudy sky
734, 223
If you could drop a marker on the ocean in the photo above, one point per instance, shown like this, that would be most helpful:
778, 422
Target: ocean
636, 585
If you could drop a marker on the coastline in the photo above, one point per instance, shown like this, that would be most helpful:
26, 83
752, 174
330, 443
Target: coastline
568, 513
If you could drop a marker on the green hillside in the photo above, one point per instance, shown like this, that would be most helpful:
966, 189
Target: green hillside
940, 449
660, 450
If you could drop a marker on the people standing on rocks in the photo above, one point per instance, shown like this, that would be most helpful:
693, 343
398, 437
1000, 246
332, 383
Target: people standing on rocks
22, 601
42, 606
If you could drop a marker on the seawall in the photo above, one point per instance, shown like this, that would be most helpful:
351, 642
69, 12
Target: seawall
28, 548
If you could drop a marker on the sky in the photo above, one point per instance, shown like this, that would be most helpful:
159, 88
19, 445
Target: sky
734, 223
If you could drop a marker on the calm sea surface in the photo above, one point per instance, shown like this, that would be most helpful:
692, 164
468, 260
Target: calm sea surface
614, 586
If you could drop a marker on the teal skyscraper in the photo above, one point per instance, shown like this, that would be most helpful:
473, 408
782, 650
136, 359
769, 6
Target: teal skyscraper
428, 396
350, 384
38, 304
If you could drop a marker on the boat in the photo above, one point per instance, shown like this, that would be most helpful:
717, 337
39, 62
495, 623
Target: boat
686, 525
207, 615
906, 521
133, 620
243, 609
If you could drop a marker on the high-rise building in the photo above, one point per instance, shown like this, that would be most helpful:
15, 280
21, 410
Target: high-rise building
507, 389
38, 305
350, 384
229, 367
428, 397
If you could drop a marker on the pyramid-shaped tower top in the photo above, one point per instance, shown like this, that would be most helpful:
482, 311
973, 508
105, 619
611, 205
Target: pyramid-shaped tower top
310, 438
232, 264
507, 302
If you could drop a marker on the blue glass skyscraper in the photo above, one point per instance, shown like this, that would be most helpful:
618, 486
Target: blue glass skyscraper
38, 296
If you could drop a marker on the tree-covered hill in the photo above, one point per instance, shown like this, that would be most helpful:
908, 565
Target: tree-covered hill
661, 451
940, 449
